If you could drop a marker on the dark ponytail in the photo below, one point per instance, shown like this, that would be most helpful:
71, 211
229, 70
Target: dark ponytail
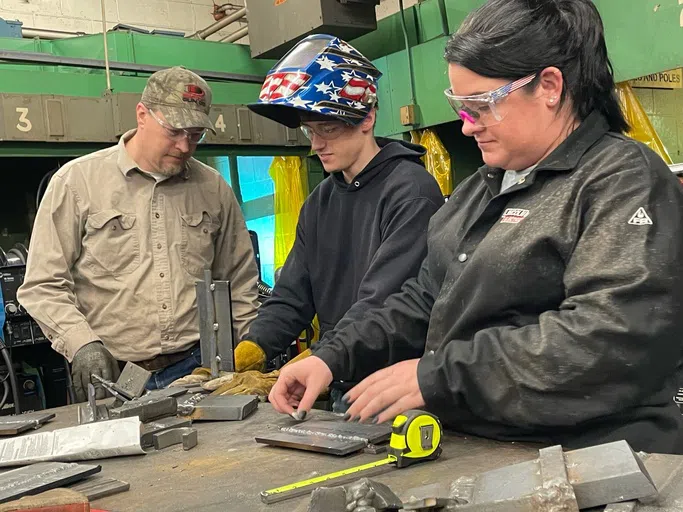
511, 39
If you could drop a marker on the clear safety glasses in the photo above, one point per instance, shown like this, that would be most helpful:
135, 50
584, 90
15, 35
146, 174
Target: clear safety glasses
485, 109
327, 131
177, 134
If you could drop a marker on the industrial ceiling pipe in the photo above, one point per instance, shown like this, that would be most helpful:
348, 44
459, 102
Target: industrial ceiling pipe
215, 27
236, 36
30, 33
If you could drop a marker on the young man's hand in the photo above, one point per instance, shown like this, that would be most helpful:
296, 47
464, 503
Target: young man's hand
299, 386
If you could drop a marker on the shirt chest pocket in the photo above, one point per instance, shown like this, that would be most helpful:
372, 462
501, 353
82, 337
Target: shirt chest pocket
199, 231
111, 245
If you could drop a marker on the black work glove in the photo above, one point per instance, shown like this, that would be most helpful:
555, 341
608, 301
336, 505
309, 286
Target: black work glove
92, 358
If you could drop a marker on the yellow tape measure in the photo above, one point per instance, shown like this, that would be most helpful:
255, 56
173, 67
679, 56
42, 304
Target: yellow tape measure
415, 437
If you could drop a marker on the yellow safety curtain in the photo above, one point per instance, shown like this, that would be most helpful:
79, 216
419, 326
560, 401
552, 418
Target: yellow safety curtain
641, 127
437, 160
291, 187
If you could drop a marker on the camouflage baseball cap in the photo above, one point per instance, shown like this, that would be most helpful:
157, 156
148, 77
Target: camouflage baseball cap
182, 96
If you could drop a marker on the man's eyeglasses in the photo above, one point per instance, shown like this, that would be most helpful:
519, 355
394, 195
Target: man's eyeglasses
195, 136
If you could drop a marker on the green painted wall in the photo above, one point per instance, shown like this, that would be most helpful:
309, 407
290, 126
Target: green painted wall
665, 109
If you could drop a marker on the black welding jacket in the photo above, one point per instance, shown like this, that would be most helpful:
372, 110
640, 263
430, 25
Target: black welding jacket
552, 312
356, 244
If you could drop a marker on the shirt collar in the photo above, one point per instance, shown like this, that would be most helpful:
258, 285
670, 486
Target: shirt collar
126, 163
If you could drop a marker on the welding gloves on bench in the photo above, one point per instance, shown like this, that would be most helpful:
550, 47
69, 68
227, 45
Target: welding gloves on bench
250, 361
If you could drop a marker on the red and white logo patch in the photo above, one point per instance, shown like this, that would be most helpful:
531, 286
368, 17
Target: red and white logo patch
282, 85
357, 89
514, 216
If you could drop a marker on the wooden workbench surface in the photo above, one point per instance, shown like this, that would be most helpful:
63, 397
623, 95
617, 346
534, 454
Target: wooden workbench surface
227, 470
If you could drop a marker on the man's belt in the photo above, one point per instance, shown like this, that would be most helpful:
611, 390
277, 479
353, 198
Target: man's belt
165, 360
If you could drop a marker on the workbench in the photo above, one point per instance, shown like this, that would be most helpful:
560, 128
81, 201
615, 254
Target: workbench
227, 470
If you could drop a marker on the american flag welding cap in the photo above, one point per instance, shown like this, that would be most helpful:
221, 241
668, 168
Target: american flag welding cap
321, 75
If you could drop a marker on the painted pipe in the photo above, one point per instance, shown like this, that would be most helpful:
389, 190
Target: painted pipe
236, 36
221, 24
48, 34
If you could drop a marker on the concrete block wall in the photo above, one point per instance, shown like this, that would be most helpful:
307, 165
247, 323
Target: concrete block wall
664, 107
186, 16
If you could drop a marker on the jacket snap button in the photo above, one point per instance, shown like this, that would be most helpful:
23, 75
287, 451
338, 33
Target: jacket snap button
491, 175
522, 180
357, 183
462, 258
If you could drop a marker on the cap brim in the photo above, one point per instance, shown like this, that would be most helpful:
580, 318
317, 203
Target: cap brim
184, 119
288, 116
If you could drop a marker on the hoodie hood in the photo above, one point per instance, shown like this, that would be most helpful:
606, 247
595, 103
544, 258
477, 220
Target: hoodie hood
390, 151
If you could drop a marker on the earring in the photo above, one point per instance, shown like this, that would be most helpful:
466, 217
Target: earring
552, 100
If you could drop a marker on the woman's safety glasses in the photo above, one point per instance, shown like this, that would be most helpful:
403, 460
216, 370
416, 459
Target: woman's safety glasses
485, 109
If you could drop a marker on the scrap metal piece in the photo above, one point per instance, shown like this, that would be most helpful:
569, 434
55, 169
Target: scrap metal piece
132, 381
173, 392
146, 408
12, 425
155, 427
222, 407
608, 473
90, 412
584, 478
370, 493
190, 439
111, 387
328, 499
98, 487
40, 477
185, 435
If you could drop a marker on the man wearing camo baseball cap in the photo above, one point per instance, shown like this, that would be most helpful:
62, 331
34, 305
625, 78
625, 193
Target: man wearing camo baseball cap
124, 234
182, 96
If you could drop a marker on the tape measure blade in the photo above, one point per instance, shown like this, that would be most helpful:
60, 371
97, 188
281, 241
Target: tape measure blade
331, 480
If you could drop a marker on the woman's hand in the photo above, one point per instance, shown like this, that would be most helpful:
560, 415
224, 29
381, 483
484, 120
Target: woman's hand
385, 394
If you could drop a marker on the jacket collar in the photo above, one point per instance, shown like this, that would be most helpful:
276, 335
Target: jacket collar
565, 157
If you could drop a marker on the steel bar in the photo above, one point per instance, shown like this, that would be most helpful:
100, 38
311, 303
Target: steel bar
154, 427
45, 58
236, 35
222, 408
98, 487
40, 477
16, 424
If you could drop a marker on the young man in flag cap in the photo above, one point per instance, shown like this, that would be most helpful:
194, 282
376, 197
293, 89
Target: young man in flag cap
362, 232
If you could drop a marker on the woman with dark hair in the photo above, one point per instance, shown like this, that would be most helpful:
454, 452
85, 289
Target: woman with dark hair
550, 304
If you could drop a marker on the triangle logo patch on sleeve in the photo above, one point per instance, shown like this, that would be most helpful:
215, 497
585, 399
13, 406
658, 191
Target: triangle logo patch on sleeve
640, 218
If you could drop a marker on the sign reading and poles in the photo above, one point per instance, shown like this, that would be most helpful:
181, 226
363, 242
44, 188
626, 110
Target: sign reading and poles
672, 79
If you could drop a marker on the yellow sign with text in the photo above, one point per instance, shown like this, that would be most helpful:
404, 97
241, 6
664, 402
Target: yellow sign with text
672, 79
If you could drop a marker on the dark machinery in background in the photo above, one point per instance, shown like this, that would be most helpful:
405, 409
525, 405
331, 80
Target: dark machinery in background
37, 377
275, 27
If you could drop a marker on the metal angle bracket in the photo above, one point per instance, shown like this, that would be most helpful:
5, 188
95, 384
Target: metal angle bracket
214, 302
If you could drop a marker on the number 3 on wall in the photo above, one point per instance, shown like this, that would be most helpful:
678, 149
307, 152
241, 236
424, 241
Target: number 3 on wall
24, 124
